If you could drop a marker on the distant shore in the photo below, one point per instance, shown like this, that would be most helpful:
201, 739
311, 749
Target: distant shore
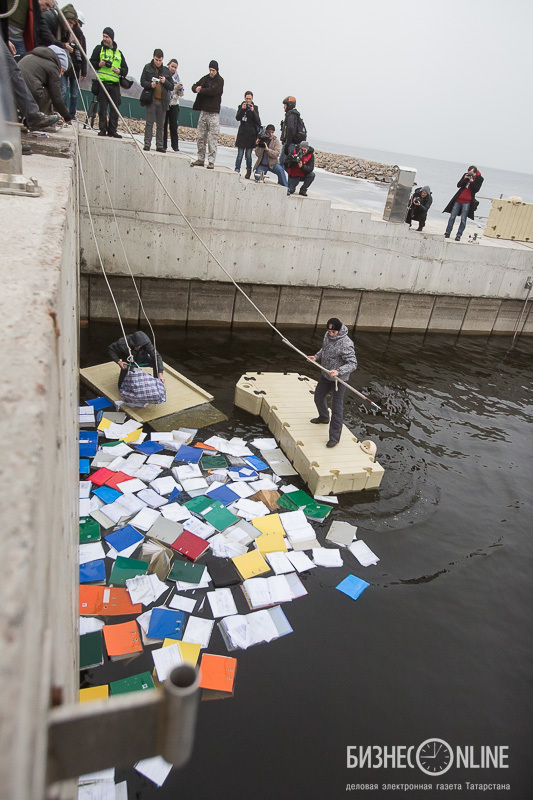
331, 162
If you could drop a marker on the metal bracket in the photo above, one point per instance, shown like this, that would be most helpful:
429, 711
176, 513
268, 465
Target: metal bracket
120, 731
19, 185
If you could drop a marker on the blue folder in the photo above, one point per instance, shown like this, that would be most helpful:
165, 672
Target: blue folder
99, 403
190, 455
165, 623
85, 466
88, 443
176, 495
352, 586
148, 448
244, 472
107, 494
255, 462
124, 537
92, 571
223, 493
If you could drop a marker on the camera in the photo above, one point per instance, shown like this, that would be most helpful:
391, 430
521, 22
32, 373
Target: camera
263, 137
295, 157
107, 63
248, 106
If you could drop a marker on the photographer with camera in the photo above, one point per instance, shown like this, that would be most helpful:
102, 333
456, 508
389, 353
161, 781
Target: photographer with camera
158, 86
248, 116
111, 66
300, 163
464, 201
267, 152
418, 207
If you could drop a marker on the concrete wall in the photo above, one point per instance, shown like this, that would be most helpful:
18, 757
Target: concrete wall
38, 470
289, 250
183, 302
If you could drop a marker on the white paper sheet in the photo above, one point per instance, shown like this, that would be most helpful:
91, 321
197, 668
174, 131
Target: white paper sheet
363, 553
300, 561
326, 557
264, 443
224, 548
128, 487
186, 472
199, 528
198, 631
180, 603
155, 769
175, 512
84, 489
165, 486
91, 552
152, 499
145, 589
280, 563
89, 625
222, 602
165, 659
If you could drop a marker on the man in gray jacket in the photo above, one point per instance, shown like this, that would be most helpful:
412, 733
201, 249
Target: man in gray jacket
337, 355
156, 79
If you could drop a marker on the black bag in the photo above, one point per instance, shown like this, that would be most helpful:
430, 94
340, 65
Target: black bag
95, 86
125, 83
301, 132
146, 97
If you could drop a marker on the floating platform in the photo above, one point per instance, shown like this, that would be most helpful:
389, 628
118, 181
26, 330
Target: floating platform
181, 392
285, 402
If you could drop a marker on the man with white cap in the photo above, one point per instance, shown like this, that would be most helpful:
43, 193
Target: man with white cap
42, 70
337, 355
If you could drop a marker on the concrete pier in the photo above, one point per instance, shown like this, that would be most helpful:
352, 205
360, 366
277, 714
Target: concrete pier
300, 258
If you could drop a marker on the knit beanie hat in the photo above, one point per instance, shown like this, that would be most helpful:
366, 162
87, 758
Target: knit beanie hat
110, 32
213, 65
61, 54
334, 324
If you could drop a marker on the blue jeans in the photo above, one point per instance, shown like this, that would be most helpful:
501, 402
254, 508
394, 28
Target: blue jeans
277, 169
458, 208
238, 161
70, 82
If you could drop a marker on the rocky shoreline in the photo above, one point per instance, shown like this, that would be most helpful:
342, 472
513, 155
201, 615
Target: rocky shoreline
331, 162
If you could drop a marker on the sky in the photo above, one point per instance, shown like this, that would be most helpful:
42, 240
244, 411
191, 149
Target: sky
448, 80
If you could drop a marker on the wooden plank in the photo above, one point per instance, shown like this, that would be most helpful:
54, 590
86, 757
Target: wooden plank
182, 393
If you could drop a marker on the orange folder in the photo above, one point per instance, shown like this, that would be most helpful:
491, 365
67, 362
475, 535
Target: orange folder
106, 601
123, 639
217, 675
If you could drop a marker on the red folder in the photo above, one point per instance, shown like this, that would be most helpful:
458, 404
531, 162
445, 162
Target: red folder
101, 476
117, 477
190, 545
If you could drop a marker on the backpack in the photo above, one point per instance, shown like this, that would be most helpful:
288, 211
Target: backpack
301, 132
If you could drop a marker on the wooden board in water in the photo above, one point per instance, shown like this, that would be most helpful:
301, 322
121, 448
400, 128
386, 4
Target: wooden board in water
181, 392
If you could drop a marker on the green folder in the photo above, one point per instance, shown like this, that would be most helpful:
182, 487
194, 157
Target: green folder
197, 505
186, 571
135, 683
285, 502
213, 462
220, 518
300, 498
125, 568
91, 650
89, 530
317, 510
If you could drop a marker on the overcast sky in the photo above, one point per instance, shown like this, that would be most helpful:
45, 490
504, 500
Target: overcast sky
448, 80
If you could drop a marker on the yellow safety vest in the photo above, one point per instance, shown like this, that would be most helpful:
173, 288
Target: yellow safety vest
106, 73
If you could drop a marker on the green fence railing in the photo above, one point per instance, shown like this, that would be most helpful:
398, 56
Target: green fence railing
132, 109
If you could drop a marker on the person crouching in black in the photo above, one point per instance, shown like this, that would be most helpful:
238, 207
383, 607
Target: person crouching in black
143, 352
419, 205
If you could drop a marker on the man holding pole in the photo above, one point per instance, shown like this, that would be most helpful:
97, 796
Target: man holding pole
337, 356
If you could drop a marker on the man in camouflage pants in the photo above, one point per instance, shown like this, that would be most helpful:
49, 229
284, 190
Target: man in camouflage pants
208, 97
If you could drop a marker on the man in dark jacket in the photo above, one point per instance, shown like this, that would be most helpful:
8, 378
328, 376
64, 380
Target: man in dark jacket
142, 350
337, 355
208, 92
248, 116
418, 207
110, 64
289, 128
464, 201
156, 78
42, 70
26, 26
28, 109
300, 164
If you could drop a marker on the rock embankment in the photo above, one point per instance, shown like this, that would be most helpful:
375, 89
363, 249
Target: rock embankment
331, 162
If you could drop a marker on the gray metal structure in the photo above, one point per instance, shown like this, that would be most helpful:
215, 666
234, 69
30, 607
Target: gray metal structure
399, 193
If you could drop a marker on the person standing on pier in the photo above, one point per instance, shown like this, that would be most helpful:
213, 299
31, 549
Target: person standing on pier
208, 92
158, 86
464, 201
248, 116
110, 64
172, 116
337, 355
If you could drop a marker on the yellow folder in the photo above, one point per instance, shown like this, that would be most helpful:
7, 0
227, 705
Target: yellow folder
251, 564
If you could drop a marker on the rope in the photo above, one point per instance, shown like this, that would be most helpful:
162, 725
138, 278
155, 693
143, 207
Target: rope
11, 10
189, 224
519, 320
118, 228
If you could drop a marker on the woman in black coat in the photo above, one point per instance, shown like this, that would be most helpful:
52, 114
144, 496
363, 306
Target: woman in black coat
248, 116
464, 201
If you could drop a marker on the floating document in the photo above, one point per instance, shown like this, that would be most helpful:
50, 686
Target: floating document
352, 586
245, 630
341, 533
221, 602
363, 553
198, 631
326, 557
155, 769
145, 589
262, 592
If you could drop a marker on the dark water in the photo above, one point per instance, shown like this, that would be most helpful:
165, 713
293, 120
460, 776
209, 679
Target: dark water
440, 645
